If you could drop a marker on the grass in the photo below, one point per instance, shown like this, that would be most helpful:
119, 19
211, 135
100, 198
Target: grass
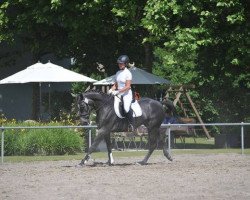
195, 143
201, 146
117, 154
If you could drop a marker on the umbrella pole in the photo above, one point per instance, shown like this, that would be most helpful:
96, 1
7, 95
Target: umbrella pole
49, 100
40, 102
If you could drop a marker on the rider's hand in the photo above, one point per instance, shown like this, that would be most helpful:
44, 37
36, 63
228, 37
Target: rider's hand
115, 92
110, 91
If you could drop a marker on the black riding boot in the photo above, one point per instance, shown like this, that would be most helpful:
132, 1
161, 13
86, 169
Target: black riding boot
131, 120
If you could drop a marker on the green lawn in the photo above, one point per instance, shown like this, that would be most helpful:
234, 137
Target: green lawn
198, 146
126, 153
195, 143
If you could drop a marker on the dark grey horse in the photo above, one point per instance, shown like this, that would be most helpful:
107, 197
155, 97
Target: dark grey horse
107, 121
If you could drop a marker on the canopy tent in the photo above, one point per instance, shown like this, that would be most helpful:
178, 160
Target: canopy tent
140, 77
49, 72
41, 73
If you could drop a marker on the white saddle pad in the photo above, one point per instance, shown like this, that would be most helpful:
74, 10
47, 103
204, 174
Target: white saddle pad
137, 112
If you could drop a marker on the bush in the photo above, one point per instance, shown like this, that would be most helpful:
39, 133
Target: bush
42, 141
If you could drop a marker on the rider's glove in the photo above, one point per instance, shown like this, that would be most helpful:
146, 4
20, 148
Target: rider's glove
110, 91
115, 92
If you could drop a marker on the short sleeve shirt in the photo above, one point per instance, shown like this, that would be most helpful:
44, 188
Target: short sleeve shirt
122, 76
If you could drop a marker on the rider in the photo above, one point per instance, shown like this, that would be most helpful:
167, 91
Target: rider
122, 86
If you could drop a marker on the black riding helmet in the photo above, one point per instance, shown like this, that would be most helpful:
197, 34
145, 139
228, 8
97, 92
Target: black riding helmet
124, 59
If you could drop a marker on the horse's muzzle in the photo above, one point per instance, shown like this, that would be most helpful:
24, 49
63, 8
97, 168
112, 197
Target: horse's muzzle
84, 121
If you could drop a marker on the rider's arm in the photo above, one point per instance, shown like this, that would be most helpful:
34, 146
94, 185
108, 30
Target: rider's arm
127, 86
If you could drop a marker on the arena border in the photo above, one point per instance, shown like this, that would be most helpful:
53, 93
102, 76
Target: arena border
167, 126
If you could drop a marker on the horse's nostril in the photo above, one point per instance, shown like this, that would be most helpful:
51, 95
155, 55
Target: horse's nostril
84, 121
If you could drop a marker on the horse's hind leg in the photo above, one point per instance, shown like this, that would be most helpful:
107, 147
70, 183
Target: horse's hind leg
152, 141
165, 147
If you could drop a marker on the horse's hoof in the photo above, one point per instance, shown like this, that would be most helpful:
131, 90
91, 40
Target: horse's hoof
79, 165
167, 155
141, 163
109, 163
170, 159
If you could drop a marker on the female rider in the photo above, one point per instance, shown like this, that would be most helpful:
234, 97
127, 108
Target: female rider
122, 86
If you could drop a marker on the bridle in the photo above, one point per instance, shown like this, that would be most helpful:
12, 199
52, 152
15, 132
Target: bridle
87, 109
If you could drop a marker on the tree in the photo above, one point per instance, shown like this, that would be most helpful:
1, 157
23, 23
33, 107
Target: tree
205, 43
88, 31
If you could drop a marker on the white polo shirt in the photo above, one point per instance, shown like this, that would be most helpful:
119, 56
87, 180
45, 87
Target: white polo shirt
122, 76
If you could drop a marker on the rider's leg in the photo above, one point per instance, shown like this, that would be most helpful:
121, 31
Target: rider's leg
131, 120
127, 99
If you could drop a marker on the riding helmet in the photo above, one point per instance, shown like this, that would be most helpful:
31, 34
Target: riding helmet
124, 59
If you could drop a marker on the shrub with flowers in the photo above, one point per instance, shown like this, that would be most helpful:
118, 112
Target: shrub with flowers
41, 141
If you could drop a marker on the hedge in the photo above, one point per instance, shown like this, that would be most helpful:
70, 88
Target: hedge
42, 141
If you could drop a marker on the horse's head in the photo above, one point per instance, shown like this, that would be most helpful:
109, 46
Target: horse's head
84, 107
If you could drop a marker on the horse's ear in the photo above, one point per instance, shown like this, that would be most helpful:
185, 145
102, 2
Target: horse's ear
81, 97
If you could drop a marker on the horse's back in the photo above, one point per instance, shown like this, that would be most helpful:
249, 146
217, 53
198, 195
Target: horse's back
148, 101
152, 110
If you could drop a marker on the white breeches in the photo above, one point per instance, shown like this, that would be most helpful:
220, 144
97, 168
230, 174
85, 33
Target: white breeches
127, 99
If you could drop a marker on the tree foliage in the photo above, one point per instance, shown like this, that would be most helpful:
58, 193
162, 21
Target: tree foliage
89, 31
205, 43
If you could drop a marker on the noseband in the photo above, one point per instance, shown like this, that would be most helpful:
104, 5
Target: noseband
87, 107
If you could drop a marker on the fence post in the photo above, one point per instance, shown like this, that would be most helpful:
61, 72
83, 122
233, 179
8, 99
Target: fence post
242, 138
2, 144
90, 137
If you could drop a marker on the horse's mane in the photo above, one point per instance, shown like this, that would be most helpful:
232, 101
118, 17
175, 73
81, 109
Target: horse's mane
97, 91
106, 97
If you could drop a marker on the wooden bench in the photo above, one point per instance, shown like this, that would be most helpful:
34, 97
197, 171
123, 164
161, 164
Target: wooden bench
182, 132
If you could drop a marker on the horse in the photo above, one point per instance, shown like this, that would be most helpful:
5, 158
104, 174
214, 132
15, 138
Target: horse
107, 121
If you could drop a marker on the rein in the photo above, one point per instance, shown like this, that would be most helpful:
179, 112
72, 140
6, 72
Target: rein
105, 103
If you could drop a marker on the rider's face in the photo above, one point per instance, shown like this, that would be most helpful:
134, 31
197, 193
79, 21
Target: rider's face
121, 65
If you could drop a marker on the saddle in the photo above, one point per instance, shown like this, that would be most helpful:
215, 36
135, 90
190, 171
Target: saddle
136, 108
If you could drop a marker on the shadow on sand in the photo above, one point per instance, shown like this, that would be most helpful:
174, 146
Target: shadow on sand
105, 164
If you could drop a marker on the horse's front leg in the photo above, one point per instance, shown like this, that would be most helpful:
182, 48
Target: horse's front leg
93, 147
109, 148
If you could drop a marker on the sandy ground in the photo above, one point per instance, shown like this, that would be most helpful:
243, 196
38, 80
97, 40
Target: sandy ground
222, 176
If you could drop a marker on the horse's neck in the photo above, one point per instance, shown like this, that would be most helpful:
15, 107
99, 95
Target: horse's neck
98, 99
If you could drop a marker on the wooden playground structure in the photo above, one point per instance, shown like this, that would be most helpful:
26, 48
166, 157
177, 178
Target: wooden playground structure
191, 114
